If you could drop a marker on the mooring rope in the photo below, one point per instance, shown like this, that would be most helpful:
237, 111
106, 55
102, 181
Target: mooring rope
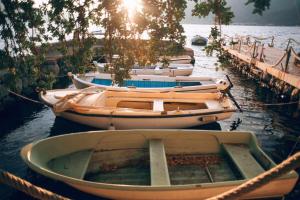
286, 166
26, 98
281, 104
295, 41
28, 188
295, 54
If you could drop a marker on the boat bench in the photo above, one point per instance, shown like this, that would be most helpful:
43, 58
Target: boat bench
73, 165
158, 163
158, 105
244, 161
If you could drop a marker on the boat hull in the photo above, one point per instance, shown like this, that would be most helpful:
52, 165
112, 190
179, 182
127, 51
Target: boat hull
38, 156
141, 122
209, 85
163, 72
276, 188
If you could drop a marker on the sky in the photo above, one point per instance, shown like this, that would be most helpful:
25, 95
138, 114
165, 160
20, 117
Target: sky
282, 12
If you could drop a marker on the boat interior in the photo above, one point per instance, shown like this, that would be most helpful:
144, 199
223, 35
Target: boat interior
180, 160
156, 102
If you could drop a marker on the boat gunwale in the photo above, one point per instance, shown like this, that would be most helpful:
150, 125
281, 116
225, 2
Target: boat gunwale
74, 181
154, 89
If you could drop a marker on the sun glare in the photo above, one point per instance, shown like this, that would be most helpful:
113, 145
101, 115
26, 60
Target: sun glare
132, 6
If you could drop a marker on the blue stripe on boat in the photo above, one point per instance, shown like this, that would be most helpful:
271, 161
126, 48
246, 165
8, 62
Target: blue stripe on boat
146, 83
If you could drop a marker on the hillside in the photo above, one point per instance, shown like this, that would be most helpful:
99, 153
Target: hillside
281, 12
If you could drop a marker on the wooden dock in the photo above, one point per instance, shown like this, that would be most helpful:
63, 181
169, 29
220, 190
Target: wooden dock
279, 68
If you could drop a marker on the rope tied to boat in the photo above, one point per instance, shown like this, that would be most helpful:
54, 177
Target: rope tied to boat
25, 98
28, 188
286, 166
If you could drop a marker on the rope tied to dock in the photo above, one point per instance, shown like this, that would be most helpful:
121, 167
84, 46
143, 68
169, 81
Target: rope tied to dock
25, 98
286, 166
28, 188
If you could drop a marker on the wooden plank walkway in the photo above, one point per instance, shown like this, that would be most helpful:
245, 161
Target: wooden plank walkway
273, 61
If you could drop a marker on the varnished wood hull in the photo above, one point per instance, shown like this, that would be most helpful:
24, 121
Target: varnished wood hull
130, 122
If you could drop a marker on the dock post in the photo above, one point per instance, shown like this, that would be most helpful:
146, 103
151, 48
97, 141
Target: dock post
288, 45
297, 111
288, 56
261, 53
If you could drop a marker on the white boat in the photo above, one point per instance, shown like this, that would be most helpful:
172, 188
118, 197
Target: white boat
151, 82
158, 69
132, 110
156, 164
182, 59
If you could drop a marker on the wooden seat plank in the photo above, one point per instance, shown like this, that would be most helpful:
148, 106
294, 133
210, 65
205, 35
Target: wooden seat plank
245, 162
73, 165
158, 163
158, 105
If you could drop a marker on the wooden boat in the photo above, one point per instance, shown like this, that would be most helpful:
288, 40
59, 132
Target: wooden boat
156, 164
151, 82
128, 110
171, 70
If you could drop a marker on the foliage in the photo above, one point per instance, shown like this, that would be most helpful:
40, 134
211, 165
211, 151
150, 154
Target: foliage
21, 29
259, 5
158, 19
72, 18
223, 13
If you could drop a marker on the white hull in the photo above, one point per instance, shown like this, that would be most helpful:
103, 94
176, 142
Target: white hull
192, 193
163, 72
120, 123
176, 69
207, 84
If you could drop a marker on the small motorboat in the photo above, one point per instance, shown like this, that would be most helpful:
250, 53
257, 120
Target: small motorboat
158, 69
151, 82
156, 164
199, 40
132, 110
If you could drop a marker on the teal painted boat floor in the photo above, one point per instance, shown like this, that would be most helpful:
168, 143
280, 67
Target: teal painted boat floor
147, 84
195, 174
132, 175
179, 174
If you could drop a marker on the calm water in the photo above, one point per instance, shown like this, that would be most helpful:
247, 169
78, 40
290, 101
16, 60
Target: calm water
275, 127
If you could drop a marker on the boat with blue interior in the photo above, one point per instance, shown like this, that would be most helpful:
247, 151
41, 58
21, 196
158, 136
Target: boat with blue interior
150, 83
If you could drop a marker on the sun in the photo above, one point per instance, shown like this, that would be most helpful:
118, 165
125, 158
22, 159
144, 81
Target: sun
132, 6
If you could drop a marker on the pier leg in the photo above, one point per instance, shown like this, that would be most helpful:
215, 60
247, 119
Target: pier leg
297, 111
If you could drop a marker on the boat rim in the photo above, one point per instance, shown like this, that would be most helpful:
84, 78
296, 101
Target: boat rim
26, 150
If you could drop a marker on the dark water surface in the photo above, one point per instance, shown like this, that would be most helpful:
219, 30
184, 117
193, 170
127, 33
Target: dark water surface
276, 129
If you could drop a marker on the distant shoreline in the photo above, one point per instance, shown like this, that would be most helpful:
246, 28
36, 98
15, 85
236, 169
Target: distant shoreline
238, 24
